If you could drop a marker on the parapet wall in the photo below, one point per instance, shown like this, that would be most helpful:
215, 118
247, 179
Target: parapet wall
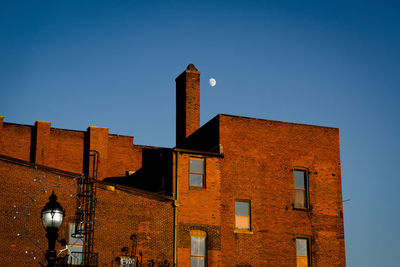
67, 149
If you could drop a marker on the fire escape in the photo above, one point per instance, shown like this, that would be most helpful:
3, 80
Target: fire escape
85, 217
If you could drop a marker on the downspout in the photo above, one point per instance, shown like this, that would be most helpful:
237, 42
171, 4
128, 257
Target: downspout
176, 204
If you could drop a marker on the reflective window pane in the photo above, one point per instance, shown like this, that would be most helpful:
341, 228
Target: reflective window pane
302, 261
242, 208
197, 262
300, 198
74, 238
242, 222
198, 246
196, 179
196, 166
299, 179
301, 247
76, 255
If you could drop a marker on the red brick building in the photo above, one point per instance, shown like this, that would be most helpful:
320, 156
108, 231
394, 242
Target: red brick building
235, 192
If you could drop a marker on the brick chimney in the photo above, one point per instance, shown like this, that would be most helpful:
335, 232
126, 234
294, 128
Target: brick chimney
187, 104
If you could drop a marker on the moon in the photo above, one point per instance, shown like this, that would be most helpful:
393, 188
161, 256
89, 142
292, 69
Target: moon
212, 82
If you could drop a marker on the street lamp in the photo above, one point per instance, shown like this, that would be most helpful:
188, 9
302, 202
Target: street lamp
52, 217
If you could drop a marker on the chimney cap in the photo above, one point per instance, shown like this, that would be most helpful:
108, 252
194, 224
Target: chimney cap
191, 67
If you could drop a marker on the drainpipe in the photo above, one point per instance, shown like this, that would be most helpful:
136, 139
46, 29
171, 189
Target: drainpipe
176, 204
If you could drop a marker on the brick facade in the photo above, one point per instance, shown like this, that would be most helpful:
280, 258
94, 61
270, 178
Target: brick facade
146, 191
259, 168
120, 212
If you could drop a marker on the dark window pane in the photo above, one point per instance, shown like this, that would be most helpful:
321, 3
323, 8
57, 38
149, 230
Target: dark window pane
242, 208
300, 198
196, 180
299, 179
196, 166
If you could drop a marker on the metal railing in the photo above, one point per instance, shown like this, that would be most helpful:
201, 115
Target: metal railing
76, 259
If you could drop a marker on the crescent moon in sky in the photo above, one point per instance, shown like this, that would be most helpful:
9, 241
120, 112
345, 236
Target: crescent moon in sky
212, 82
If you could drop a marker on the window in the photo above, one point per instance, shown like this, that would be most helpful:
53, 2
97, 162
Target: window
196, 172
242, 215
197, 248
303, 252
75, 255
300, 189
75, 246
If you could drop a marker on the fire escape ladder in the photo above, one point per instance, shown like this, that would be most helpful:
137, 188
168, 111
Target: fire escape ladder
85, 214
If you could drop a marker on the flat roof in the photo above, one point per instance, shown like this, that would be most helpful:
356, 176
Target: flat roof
274, 121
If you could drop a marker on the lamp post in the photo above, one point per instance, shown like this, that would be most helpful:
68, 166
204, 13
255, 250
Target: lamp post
52, 217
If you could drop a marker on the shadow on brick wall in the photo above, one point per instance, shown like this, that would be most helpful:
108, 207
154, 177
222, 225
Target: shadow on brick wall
155, 174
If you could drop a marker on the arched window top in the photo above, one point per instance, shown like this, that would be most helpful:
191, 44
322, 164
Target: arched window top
200, 233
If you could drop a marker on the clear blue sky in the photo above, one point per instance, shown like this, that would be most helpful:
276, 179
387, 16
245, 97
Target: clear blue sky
331, 63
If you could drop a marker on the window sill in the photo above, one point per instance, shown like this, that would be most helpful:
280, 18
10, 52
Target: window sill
191, 187
238, 231
301, 208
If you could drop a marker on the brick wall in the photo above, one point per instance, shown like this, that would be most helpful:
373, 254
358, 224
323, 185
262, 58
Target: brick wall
65, 150
123, 213
17, 186
123, 155
259, 158
119, 214
15, 140
68, 149
258, 163
199, 208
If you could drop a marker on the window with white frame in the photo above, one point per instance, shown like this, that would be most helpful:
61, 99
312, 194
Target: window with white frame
75, 246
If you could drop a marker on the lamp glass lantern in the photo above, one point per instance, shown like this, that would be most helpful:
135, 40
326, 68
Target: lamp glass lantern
52, 213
